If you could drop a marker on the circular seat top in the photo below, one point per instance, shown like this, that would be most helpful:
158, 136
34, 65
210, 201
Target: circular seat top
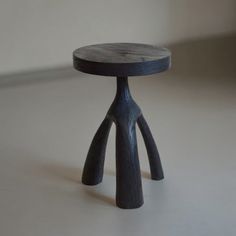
121, 59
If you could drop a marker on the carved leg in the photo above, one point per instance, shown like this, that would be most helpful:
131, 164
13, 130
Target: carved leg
153, 155
128, 178
94, 165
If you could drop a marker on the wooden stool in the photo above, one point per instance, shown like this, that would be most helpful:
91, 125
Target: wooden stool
122, 60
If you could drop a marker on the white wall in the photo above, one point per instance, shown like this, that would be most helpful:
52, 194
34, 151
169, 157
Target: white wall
43, 33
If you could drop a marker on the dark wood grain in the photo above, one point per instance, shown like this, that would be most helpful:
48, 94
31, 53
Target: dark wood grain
124, 112
121, 59
153, 154
94, 165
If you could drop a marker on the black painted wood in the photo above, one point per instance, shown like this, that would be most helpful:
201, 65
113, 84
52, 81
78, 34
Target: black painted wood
121, 59
128, 178
94, 165
124, 112
153, 155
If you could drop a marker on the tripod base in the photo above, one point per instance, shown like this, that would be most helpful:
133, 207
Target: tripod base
125, 113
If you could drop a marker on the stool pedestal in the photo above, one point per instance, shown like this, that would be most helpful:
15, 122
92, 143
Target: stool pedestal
125, 113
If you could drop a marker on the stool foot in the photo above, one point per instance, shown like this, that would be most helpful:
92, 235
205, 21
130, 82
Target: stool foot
128, 178
94, 164
153, 155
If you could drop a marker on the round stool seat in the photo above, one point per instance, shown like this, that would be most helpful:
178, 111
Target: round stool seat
121, 59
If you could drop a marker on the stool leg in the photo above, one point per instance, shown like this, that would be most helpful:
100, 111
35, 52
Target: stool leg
128, 178
94, 164
153, 155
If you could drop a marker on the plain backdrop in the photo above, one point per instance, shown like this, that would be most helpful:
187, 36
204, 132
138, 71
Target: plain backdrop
43, 33
50, 112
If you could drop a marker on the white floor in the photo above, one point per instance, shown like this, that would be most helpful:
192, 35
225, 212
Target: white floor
45, 131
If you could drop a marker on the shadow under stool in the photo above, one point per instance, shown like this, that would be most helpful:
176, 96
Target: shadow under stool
122, 60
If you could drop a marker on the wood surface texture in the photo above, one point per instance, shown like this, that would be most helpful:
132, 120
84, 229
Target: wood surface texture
121, 59
125, 113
